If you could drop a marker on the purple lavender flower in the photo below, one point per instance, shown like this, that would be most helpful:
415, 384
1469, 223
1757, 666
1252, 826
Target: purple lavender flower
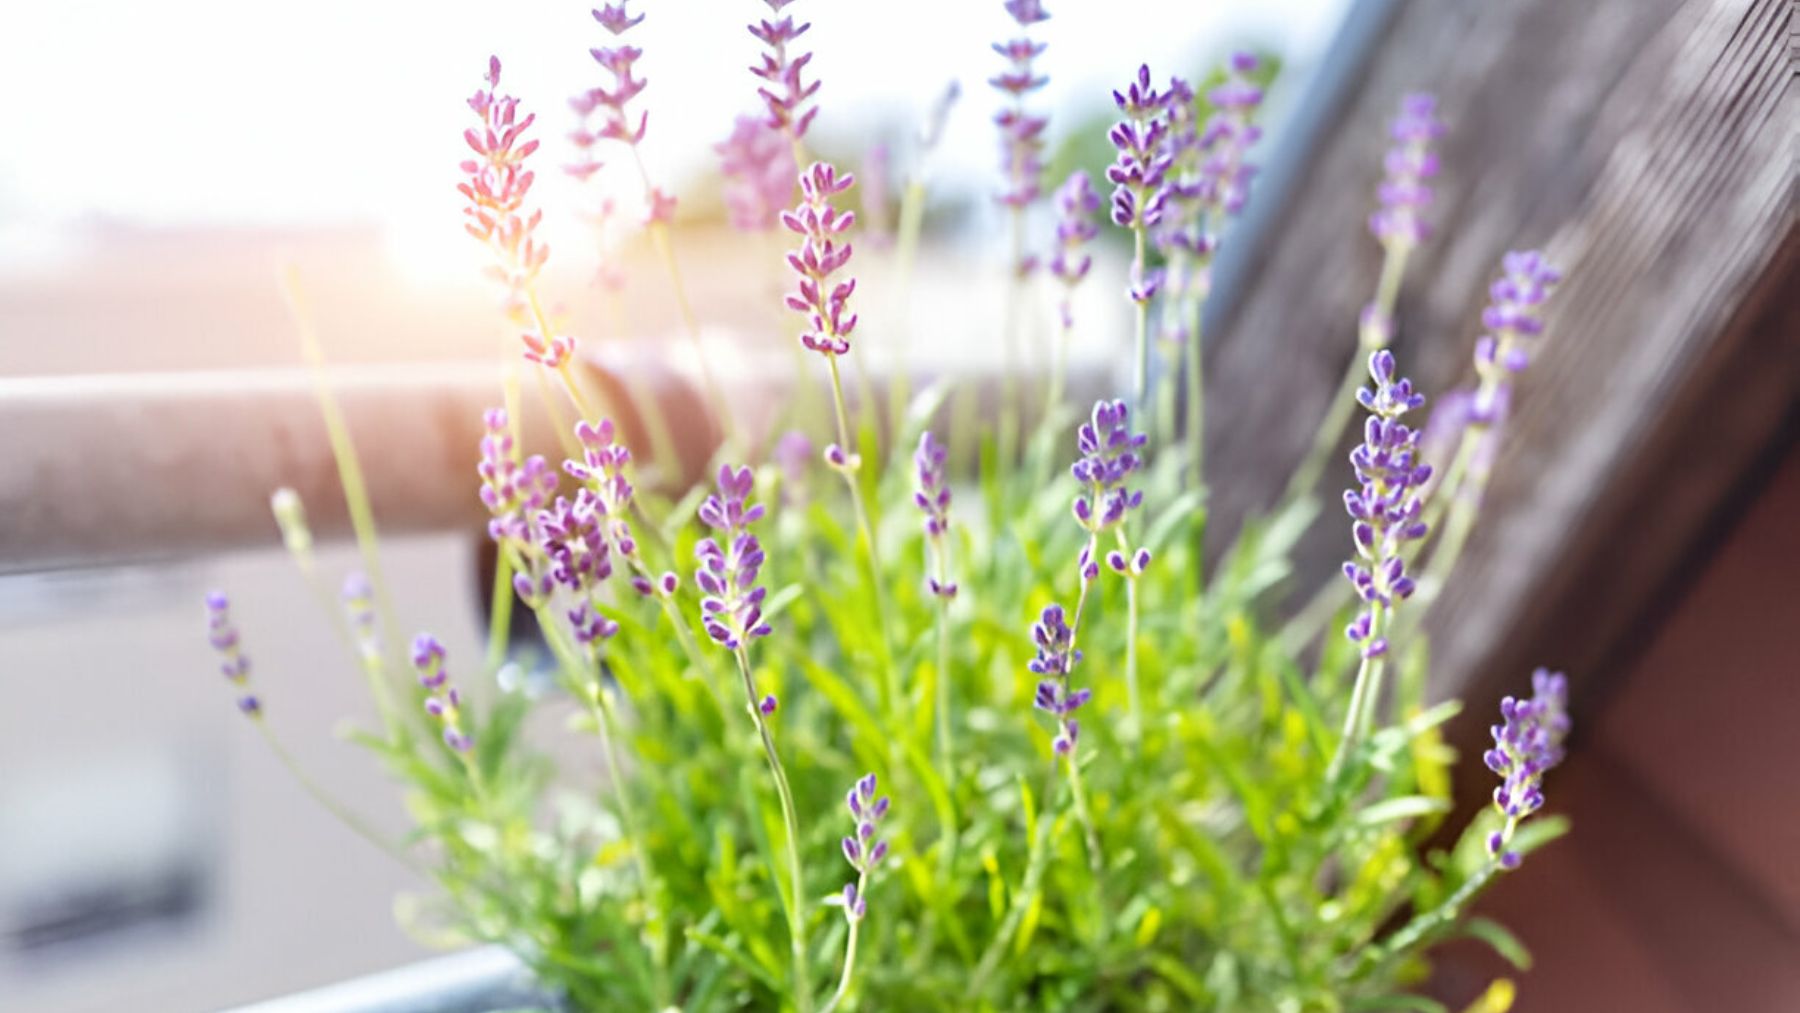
1386, 506
933, 492
758, 166
1405, 192
862, 849
1140, 172
1109, 456
820, 255
1055, 661
729, 562
572, 535
602, 469
442, 700
1210, 178
612, 100
1225, 171
1076, 204
222, 633
1527, 743
1021, 133
511, 489
793, 456
785, 92
933, 498
1512, 319
495, 187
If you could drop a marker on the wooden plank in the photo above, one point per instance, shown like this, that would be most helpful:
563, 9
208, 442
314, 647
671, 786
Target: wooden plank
1648, 145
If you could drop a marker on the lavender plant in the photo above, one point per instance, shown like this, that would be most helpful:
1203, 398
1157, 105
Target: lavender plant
1202, 815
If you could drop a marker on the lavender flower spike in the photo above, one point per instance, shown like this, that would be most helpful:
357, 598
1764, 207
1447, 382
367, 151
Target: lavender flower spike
822, 254
758, 166
1385, 509
1225, 169
442, 700
862, 849
933, 498
496, 186
513, 490
1140, 173
1055, 661
1405, 191
1076, 204
1021, 133
1527, 743
222, 633
731, 610
1110, 454
1512, 319
785, 91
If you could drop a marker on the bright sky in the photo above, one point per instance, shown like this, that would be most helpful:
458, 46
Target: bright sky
233, 112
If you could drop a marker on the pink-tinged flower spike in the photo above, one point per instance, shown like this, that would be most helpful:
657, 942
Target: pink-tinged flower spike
571, 536
613, 99
495, 186
442, 701
758, 165
730, 561
785, 90
513, 489
1527, 744
822, 254
1021, 132
222, 634
602, 470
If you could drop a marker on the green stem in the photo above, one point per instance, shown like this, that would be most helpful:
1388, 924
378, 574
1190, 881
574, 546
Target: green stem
1015, 305
797, 890
1196, 394
906, 255
1141, 354
350, 477
946, 745
1090, 834
1343, 402
331, 805
500, 608
890, 680
1358, 718
1424, 925
665, 247
1035, 863
843, 987
1131, 664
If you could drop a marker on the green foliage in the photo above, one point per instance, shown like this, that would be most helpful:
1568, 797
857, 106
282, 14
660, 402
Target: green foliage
1234, 871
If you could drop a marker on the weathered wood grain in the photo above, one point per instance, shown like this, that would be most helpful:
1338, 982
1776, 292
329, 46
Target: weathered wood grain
1648, 146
